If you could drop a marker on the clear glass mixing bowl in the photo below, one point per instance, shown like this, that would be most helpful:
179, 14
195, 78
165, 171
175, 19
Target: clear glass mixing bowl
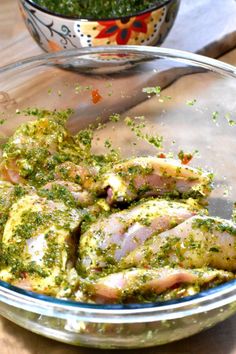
195, 111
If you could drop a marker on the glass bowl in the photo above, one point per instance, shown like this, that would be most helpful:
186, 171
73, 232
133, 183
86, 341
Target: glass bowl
195, 110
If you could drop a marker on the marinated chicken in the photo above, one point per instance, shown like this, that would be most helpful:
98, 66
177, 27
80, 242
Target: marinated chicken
38, 245
152, 176
197, 242
36, 150
113, 237
72, 192
100, 229
145, 284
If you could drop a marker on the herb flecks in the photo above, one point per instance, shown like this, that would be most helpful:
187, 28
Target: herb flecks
191, 102
185, 157
115, 117
215, 116
152, 90
137, 125
229, 119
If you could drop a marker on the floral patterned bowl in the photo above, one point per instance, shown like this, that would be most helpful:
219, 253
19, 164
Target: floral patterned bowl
54, 32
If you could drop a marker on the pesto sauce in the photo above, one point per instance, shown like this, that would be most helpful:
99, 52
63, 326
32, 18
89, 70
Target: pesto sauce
97, 8
30, 222
59, 193
210, 224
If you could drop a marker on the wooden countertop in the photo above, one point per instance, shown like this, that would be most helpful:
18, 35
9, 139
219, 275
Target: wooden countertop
15, 44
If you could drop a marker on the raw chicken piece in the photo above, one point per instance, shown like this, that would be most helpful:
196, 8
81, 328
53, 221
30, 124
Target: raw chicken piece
6, 191
9, 194
80, 174
6, 200
9, 171
36, 147
110, 239
138, 285
197, 242
38, 244
152, 176
66, 190
31, 143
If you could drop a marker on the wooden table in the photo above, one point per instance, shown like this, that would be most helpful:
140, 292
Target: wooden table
15, 44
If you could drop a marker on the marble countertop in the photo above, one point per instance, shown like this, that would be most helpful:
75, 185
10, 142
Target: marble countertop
15, 44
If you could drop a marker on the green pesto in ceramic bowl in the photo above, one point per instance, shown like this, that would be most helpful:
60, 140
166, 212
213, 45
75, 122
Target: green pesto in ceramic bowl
56, 25
98, 8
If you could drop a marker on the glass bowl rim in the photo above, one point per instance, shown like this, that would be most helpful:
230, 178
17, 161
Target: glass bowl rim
77, 18
182, 56
210, 299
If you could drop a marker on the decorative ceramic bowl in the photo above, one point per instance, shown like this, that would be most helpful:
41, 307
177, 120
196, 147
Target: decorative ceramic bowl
192, 89
54, 32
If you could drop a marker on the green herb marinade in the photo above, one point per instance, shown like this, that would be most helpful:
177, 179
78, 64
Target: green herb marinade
97, 8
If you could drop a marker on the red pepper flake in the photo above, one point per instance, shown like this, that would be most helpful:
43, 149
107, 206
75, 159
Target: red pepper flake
23, 275
161, 155
146, 266
96, 97
185, 158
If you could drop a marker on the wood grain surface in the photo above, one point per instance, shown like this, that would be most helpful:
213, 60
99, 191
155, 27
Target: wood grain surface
15, 44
